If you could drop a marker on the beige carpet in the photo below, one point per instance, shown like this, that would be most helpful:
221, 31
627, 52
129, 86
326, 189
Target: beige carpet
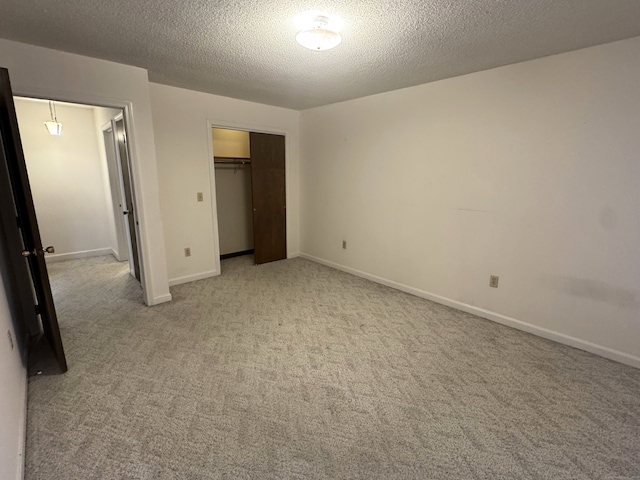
292, 370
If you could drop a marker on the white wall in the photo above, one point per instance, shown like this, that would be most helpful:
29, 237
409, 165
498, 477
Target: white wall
110, 175
183, 120
235, 214
13, 378
46, 73
233, 192
529, 172
66, 179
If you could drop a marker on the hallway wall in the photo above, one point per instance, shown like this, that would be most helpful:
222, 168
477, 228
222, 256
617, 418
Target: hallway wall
66, 173
110, 176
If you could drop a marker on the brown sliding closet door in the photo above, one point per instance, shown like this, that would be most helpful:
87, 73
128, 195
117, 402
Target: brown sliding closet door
268, 197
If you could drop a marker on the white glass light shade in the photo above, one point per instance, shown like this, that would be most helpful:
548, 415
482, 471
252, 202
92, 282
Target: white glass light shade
55, 128
318, 31
318, 39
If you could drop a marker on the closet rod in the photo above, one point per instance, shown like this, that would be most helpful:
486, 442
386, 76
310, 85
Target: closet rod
231, 161
230, 166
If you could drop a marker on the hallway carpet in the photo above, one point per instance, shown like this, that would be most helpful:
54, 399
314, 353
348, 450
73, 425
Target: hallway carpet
292, 370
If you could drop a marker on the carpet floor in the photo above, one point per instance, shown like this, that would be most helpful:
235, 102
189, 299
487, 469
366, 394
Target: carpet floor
292, 370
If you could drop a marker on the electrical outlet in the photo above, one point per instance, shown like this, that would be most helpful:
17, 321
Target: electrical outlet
187, 252
493, 281
200, 197
10, 338
344, 244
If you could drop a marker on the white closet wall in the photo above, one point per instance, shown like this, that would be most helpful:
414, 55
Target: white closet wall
233, 192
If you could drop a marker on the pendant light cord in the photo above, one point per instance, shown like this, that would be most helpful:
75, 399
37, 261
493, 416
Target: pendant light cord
52, 111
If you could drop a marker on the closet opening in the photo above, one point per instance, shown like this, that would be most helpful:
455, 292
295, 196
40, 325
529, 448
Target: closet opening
250, 194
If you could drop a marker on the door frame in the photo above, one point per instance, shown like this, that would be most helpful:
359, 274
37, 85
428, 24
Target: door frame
127, 108
116, 196
247, 127
133, 243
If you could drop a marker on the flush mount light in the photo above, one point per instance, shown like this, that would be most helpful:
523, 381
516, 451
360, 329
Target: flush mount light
54, 126
319, 30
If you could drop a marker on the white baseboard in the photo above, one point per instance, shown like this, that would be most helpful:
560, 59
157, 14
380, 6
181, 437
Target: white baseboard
600, 350
22, 447
116, 255
61, 257
160, 299
192, 278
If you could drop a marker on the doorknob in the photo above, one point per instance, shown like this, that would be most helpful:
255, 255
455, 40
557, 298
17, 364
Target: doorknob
28, 253
125, 212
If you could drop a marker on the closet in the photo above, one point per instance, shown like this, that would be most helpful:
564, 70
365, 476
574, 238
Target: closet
250, 194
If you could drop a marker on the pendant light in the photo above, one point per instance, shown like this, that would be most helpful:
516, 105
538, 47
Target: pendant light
54, 126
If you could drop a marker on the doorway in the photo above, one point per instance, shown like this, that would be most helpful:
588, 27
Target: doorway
22, 252
71, 175
250, 185
80, 180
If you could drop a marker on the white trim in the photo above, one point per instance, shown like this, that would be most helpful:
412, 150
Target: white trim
158, 300
214, 203
600, 350
61, 257
22, 447
122, 242
192, 278
123, 198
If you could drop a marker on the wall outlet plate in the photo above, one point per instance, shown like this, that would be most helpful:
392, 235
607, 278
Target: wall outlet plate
187, 252
344, 244
493, 281
200, 197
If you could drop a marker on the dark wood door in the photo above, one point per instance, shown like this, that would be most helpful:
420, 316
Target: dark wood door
23, 254
268, 194
13, 266
128, 210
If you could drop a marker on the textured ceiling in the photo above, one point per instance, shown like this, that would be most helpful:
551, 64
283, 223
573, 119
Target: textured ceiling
246, 48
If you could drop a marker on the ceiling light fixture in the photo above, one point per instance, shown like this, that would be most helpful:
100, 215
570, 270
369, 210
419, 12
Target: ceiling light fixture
319, 30
54, 126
